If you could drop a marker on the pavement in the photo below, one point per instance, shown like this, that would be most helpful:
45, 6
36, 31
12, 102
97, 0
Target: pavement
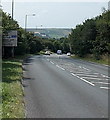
58, 86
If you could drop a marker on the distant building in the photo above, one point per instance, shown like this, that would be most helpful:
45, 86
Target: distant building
43, 35
109, 5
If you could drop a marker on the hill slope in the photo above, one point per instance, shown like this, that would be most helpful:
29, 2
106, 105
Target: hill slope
53, 32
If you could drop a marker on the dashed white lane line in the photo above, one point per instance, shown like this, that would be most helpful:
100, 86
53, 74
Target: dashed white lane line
80, 67
60, 67
47, 59
52, 62
85, 68
105, 88
83, 79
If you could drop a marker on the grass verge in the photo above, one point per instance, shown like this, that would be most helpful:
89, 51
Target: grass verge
104, 59
12, 93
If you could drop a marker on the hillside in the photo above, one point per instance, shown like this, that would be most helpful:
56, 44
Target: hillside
53, 32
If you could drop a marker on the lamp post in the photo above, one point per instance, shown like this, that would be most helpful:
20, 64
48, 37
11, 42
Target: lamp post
12, 19
26, 20
26, 23
12, 8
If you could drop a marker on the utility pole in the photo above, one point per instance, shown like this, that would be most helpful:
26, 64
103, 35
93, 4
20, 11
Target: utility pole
109, 5
25, 22
12, 51
12, 8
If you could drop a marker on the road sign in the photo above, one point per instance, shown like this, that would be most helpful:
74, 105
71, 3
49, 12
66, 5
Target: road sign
10, 39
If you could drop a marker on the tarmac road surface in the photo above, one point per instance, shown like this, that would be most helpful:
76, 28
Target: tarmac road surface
57, 86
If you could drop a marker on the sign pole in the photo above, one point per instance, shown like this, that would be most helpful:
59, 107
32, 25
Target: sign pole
3, 51
12, 51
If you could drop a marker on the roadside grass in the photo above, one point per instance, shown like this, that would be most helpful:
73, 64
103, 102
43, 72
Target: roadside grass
104, 59
12, 93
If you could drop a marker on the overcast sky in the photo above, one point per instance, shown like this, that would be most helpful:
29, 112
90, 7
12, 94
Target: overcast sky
60, 14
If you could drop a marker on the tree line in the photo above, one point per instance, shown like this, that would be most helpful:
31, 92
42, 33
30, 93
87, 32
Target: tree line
27, 42
90, 37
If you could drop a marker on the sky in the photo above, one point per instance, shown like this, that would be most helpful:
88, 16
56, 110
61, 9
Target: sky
54, 14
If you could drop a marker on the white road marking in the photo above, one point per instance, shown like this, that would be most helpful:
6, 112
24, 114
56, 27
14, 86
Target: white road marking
105, 76
83, 79
85, 68
80, 67
87, 75
80, 72
52, 62
105, 88
95, 78
101, 82
60, 67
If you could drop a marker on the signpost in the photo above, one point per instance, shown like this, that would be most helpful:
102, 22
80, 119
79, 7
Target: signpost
10, 40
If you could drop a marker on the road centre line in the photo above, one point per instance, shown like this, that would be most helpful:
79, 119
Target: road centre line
60, 67
82, 79
80, 67
85, 68
52, 62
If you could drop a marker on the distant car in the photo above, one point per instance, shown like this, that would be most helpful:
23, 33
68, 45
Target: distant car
47, 53
59, 52
68, 54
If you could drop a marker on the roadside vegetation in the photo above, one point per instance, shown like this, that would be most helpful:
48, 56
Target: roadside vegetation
105, 59
92, 37
12, 93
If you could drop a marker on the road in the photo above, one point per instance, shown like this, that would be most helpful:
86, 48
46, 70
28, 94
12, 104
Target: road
62, 87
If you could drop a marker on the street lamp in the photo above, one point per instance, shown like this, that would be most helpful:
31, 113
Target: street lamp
26, 20
12, 8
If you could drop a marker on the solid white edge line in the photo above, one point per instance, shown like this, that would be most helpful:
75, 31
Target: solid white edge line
60, 67
83, 79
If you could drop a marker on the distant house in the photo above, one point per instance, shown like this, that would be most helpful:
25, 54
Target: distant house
43, 35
